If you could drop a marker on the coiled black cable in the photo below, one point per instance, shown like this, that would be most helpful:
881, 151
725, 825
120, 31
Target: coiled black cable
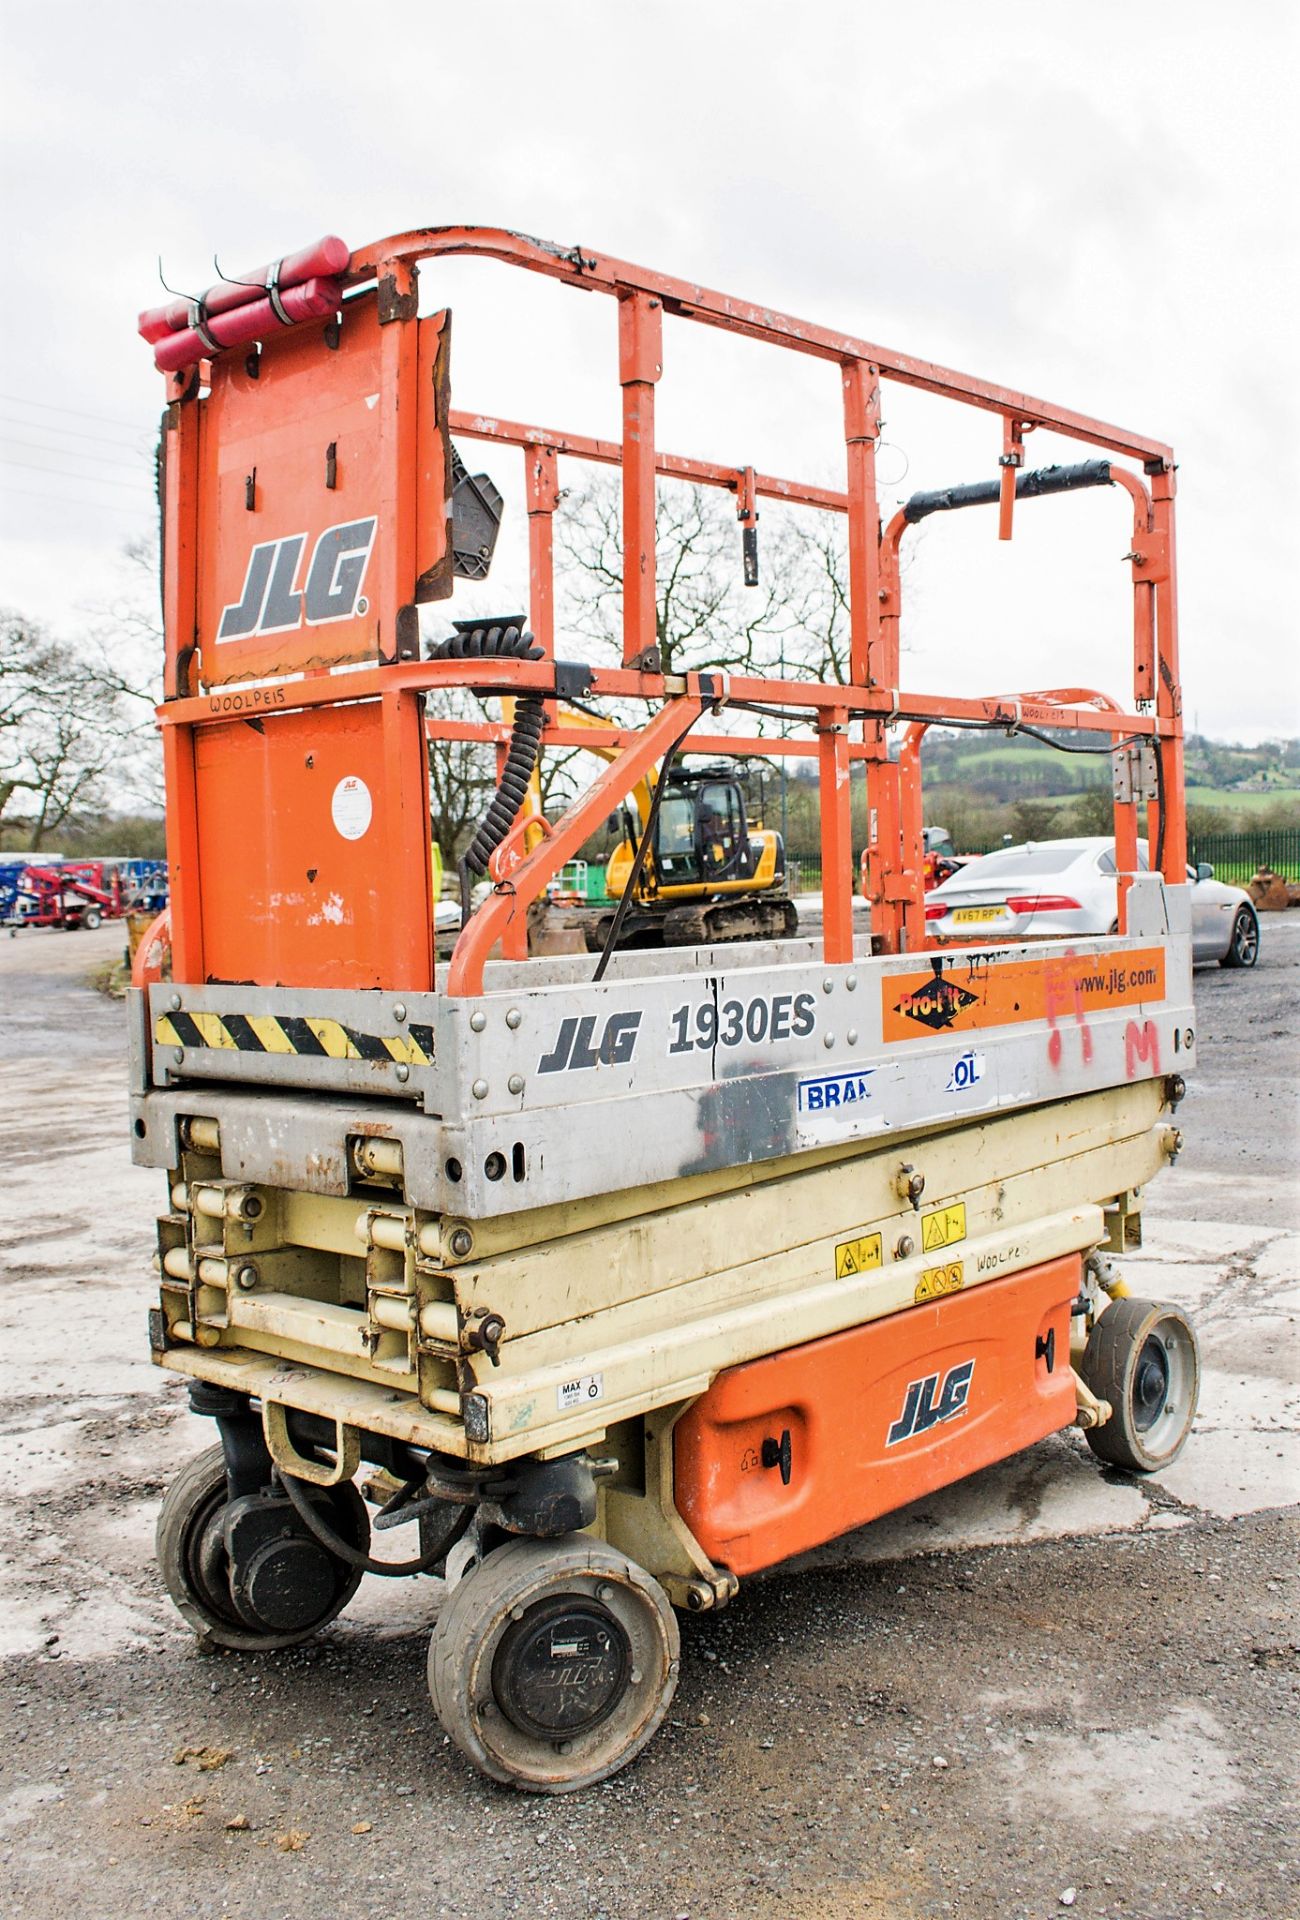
499, 640
319, 1527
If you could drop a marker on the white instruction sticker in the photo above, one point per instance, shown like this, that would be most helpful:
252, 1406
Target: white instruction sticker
578, 1393
352, 809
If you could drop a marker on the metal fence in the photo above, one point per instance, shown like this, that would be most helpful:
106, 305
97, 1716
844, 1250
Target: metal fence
1236, 856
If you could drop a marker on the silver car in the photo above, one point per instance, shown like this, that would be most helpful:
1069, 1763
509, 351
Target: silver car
1060, 887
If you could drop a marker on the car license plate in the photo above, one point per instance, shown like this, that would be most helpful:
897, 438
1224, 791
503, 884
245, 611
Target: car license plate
968, 915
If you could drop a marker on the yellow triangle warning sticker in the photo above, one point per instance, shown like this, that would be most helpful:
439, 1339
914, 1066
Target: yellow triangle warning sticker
944, 1227
857, 1256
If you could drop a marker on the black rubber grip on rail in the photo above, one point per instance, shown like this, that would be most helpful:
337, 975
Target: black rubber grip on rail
1029, 486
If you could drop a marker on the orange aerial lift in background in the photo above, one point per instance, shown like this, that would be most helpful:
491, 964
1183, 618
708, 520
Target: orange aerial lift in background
627, 1277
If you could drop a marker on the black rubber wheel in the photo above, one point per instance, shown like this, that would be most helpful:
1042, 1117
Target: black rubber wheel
1142, 1357
553, 1663
193, 1562
1243, 947
90, 919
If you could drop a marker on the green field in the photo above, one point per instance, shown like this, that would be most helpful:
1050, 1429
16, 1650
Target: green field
1229, 801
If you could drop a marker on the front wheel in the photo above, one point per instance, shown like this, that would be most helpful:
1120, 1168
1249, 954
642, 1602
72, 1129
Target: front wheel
553, 1662
1243, 947
288, 1587
1142, 1357
90, 919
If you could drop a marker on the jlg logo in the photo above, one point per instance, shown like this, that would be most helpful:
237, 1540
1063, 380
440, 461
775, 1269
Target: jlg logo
270, 601
574, 1048
927, 1403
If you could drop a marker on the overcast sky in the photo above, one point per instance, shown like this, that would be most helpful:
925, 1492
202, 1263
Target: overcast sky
1094, 203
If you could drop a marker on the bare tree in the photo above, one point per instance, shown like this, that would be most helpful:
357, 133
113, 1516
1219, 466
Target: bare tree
705, 616
125, 655
60, 727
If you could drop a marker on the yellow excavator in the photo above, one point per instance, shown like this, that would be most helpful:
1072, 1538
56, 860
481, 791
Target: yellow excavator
707, 875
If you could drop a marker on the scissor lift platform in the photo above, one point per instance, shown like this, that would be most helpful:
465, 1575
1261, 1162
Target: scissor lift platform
625, 1279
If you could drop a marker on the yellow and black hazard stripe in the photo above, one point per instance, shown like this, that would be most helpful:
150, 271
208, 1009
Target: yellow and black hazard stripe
288, 1033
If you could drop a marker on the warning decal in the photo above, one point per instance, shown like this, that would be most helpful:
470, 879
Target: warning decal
973, 992
857, 1256
936, 1281
286, 1033
943, 1228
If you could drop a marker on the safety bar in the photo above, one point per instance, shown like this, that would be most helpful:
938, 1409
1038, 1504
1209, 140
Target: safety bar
1029, 486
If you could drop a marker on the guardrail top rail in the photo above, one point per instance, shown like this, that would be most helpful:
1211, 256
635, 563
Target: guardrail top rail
307, 487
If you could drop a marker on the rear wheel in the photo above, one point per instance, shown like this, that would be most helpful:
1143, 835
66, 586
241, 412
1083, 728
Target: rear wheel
553, 1663
290, 1585
1142, 1357
90, 919
1243, 947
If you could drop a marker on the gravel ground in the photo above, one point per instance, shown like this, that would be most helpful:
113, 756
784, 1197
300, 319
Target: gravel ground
1046, 1689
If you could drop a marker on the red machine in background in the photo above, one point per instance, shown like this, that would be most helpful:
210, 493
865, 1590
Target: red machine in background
80, 893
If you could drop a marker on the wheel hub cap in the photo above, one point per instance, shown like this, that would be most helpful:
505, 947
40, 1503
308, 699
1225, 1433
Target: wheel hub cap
1150, 1385
562, 1669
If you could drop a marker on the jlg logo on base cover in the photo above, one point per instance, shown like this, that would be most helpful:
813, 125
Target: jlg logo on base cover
927, 1403
270, 602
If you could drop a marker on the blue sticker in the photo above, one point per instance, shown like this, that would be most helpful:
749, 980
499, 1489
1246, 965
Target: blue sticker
967, 1072
835, 1092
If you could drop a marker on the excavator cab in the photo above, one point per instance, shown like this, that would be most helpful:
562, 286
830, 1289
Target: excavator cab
702, 833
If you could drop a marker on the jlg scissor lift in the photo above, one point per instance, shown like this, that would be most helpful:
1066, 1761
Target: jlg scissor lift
626, 1280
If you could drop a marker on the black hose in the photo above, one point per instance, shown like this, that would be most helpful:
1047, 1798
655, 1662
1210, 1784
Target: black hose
639, 858
503, 640
341, 1549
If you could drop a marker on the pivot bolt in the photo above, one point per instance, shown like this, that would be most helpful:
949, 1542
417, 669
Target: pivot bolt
485, 1336
906, 1247
399, 1011
909, 1184
403, 1072
462, 1242
246, 1278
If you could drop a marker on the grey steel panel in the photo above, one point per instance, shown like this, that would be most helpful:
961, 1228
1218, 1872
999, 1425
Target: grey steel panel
581, 1089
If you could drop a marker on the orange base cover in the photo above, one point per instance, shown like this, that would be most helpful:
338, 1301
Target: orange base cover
783, 1453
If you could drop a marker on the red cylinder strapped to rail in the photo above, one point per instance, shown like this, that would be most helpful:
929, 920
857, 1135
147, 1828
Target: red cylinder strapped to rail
301, 286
